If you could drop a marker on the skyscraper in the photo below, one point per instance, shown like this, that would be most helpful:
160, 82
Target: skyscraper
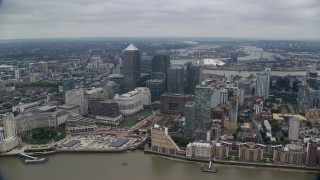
175, 80
156, 87
312, 80
131, 67
190, 117
263, 84
193, 78
294, 129
160, 62
146, 64
203, 106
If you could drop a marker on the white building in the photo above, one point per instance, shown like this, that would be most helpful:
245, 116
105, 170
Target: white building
146, 95
267, 125
131, 102
77, 97
9, 125
26, 107
263, 84
17, 74
29, 121
294, 129
98, 94
199, 150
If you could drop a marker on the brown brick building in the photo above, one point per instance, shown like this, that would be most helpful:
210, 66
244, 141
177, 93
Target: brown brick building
172, 104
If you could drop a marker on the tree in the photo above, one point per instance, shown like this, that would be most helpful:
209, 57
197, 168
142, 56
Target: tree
308, 123
136, 131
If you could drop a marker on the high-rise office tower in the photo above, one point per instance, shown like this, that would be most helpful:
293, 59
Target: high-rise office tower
156, 87
190, 118
146, 64
159, 75
9, 125
175, 80
203, 106
118, 79
223, 96
160, 62
263, 84
313, 79
131, 67
294, 129
193, 78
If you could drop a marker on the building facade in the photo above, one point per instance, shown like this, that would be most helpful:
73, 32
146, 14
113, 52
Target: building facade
131, 102
175, 80
162, 142
157, 88
289, 157
203, 107
190, 119
263, 84
131, 67
173, 103
9, 125
199, 150
311, 156
193, 78
250, 154
221, 151
77, 97
294, 129
160, 62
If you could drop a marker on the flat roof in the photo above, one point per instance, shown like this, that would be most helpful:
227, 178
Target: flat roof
71, 143
280, 116
119, 142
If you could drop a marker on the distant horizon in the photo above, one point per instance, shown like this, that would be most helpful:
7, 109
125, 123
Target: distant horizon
163, 37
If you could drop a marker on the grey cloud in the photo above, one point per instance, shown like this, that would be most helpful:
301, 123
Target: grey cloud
245, 18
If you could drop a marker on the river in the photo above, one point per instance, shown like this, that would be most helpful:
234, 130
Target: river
140, 167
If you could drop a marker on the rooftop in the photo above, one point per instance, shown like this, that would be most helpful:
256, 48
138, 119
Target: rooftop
281, 116
71, 143
119, 142
131, 47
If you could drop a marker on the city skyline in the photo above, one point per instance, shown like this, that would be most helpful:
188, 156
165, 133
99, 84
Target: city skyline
73, 19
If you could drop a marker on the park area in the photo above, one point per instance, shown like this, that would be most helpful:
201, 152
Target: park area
131, 120
44, 135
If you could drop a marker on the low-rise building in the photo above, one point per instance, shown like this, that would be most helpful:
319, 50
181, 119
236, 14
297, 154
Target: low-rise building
76, 123
162, 142
221, 151
174, 103
200, 150
291, 154
133, 101
106, 111
32, 120
251, 153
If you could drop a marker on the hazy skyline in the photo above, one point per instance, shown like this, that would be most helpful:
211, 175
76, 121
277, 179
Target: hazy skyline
272, 19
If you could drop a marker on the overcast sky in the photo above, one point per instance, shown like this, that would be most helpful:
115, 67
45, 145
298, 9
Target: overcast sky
275, 19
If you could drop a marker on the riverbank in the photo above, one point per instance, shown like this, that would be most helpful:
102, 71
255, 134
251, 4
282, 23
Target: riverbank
180, 158
234, 163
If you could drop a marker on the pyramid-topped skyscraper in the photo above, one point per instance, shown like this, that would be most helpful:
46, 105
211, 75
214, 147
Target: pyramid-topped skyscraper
131, 67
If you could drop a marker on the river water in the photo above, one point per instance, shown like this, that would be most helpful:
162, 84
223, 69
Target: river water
140, 167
